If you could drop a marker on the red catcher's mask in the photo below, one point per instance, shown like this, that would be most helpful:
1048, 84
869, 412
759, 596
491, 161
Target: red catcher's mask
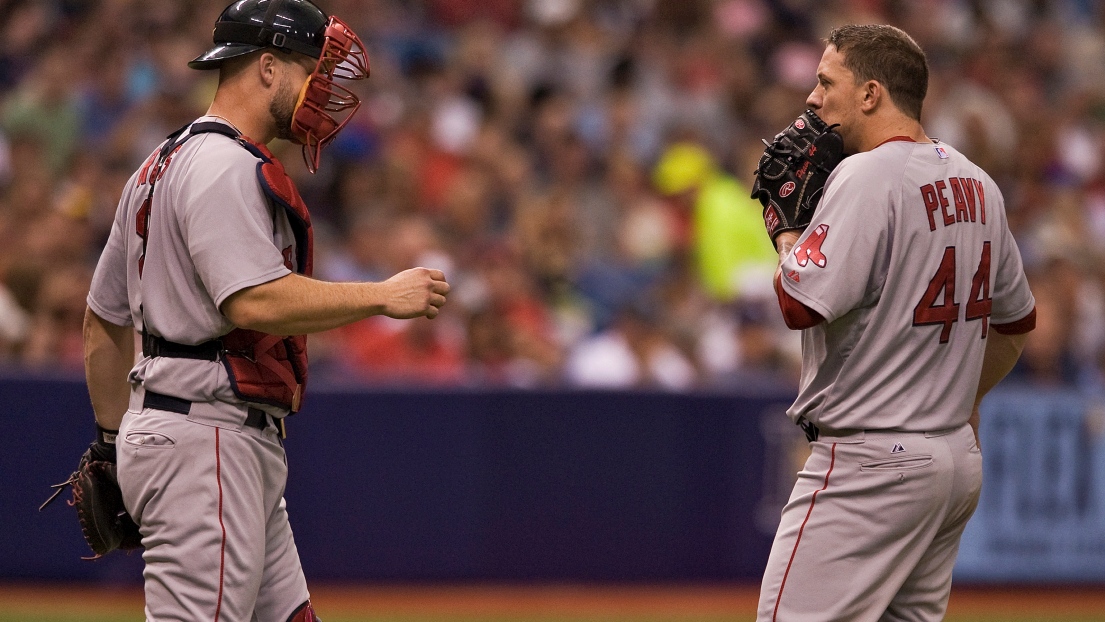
313, 124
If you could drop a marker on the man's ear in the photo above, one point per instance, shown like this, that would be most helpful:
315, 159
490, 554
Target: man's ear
873, 93
266, 69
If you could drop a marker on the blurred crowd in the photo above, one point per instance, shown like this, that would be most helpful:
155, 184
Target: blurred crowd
579, 168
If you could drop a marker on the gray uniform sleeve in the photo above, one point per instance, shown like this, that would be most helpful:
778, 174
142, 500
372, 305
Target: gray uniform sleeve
107, 297
1011, 296
227, 223
840, 262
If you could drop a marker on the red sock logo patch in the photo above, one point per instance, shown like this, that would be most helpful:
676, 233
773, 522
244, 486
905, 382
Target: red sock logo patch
810, 250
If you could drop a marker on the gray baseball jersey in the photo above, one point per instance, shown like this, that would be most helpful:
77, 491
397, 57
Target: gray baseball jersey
205, 488
909, 259
211, 234
910, 262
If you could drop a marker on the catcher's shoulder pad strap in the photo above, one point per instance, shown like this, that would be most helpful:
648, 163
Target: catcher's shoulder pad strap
213, 127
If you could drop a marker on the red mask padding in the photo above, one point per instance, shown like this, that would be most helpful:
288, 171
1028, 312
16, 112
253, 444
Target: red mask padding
313, 124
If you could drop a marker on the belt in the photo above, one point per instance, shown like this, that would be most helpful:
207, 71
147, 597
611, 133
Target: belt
152, 345
255, 417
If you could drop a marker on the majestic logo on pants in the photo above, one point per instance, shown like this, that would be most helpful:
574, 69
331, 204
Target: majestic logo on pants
810, 250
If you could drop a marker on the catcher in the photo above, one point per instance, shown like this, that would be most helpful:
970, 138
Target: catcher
210, 261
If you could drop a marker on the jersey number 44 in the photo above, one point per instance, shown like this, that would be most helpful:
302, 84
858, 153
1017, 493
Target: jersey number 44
946, 313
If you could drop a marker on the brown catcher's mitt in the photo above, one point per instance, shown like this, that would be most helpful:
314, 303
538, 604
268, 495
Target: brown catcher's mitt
99, 502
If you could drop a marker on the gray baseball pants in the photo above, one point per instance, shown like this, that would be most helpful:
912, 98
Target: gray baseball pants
208, 496
872, 528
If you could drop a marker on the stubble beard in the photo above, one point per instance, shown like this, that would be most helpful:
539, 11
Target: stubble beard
282, 109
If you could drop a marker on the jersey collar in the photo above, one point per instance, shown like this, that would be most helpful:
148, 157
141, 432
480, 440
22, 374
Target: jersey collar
895, 139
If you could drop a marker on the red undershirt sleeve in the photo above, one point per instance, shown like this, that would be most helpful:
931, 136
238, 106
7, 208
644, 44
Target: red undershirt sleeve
798, 316
1019, 327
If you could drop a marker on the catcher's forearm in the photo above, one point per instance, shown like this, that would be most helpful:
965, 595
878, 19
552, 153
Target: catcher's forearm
295, 304
108, 358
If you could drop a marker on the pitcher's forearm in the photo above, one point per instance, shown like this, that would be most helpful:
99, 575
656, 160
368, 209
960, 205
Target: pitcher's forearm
1002, 352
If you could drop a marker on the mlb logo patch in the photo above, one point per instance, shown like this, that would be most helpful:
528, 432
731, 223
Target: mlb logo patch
941, 153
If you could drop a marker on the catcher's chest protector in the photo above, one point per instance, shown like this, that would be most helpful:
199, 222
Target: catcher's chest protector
265, 368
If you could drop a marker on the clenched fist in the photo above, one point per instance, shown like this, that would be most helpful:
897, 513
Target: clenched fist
414, 293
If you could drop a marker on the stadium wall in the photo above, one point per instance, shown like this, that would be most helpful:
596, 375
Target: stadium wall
435, 486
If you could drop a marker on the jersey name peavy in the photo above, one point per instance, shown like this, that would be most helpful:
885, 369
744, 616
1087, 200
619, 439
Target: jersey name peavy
967, 194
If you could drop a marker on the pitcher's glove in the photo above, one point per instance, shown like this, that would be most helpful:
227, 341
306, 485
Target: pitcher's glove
792, 172
98, 499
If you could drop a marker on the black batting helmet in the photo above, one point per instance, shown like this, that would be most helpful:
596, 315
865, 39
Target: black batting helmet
250, 25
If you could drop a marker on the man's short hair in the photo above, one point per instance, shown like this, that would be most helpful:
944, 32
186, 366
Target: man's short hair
890, 57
